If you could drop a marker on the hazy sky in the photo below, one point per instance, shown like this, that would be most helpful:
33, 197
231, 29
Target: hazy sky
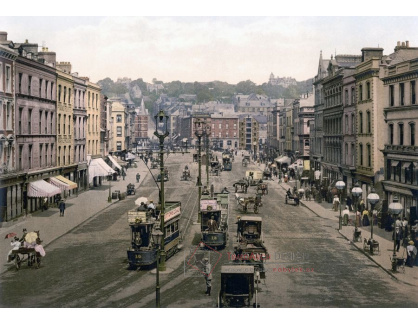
206, 48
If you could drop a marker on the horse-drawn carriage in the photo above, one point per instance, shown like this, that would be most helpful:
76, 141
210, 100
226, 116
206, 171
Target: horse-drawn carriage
263, 188
186, 175
291, 198
215, 168
154, 164
267, 174
245, 160
166, 175
31, 251
130, 189
242, 185
247, 203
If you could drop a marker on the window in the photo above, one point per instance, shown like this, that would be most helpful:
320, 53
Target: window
369, 123
69, 96
353, 123
30, 86
88, 102
400, 134
59, 124
20, 157
412, 134
51, 161
69, 125
346, 97
413, 93
361, 122
360, 92
40, 121
361, 153
46, 89
391, 134
368, 90
52, 90
119, 131
20, 121
59, 155
118, 118
220, 126
8, 78
59, 93
391, 96
401, 94
346, 124
30, 157
369, 155
20, 82
352, 154
353, 96
46, 123
9, 115
52, 123
346, 154
118, 146
46, 155
97, 99
65, 94
235, 126
40, 87
64, 120
1, 77
41, 147
30, 122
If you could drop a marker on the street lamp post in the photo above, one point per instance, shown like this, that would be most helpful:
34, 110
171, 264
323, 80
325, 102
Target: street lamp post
395, 208
161, 133
357, 192
157, 236
340, 186
109, 199
198, 125
207, 133
373, 199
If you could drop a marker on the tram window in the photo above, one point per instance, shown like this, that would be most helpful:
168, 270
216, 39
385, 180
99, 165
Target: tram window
172, 228
167, 231
176, 226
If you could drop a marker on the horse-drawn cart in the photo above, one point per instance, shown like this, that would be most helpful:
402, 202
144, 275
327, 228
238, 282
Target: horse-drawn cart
263, 188
30, 255
247, 203
241, 185
130, 189
186, 175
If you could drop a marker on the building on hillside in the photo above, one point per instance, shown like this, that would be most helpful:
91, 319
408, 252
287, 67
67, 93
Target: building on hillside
285, 82
253, 104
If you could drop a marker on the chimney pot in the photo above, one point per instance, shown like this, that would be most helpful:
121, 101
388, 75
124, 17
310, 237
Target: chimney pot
399, 43
403, 44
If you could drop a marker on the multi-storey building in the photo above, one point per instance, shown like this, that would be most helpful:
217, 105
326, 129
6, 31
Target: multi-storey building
80, 131
303, 113
93, 118
348, 162
9, 188
317, 138
141, 126
333, 114
400, 78
65, 123
249, 134
225, 131
253, 104
369, 94
119, 119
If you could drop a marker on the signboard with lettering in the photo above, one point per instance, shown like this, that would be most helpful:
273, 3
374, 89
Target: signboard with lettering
211, 203
172, 213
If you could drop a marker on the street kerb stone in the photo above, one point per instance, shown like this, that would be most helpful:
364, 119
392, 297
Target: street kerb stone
193, 262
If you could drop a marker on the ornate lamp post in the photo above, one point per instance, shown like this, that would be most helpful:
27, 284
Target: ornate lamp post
340, 186
395, 208
373, 199
161, 132
157, 237
109, 199
207, 134
199, 127
357, 192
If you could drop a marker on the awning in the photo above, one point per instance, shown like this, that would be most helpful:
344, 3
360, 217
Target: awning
57, 183
394, 163
99, 168
129, 156
115, 164
41, 188
71, 184
284, 159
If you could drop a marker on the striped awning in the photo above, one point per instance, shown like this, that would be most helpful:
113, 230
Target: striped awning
41, 188
72, 185
99, 168
57, 183
114, 162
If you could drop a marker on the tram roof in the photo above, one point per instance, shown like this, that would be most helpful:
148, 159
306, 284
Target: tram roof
251, 218
237, 269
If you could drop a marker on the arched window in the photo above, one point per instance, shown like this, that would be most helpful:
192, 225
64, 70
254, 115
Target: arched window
369, 122
353, 124
391, 134
360, 147
401, 134
346, 124
360, 114
360, 92
368, 90
369, 155
412, 134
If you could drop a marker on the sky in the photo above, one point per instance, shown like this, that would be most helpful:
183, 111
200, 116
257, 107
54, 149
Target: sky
171, 42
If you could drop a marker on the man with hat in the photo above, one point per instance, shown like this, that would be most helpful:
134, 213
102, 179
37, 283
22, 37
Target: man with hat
411, 252
208, 275
15, 246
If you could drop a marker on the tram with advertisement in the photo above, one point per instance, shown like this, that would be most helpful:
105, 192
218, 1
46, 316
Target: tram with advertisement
214, 221
143, 251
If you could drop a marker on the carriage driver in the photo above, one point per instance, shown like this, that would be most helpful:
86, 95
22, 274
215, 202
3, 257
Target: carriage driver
212, 224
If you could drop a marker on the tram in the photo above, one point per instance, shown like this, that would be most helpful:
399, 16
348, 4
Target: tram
143, 251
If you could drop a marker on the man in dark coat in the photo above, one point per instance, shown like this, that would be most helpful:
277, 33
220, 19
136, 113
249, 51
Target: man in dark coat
62, 207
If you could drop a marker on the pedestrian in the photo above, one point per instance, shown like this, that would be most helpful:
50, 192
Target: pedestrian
138, 176
346, 215
62, 207
374, 216
358, 219
123, 174
397, 236
411, 252
335, 203
349, 203
361, 205
366, 221
208, 275
15, 246
45, 205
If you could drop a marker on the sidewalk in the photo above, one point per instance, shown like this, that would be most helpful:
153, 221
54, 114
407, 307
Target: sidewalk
382, 259
78, 210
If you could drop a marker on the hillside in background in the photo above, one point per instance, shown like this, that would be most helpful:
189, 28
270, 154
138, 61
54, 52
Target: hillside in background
134, 90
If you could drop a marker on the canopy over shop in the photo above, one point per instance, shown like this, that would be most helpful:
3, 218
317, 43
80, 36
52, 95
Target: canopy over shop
41, 188
99, 168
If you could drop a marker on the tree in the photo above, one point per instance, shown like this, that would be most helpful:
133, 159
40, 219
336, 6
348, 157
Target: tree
246, 87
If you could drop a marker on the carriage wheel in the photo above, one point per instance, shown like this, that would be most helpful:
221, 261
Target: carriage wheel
38, 262
17, 261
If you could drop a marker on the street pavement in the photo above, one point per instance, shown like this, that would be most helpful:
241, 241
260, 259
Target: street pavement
382, 259
78, 210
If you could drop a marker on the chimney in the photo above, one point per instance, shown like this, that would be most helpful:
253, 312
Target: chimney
3, 36
403, 44
407, 43
399, 43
